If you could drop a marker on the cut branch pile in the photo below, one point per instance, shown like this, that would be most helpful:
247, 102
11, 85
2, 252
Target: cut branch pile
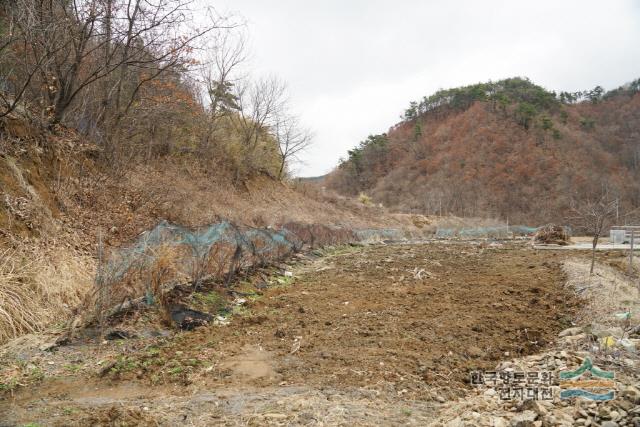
552, 235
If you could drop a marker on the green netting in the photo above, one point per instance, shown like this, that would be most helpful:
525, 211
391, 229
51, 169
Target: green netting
485, 232
170, 253
196, 244
522, 230
445, 232
367, 235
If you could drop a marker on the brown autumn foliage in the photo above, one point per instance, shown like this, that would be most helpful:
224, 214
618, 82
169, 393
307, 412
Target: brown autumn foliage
143, 82
481, 159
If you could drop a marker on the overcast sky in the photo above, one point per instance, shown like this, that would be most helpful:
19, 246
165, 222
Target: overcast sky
353, 66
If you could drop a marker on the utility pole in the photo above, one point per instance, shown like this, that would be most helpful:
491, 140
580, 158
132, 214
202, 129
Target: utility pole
508, 225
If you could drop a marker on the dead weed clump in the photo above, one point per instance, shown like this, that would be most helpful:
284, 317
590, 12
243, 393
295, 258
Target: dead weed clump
145, 281
117, 416
318, 235
129, 280
39, 287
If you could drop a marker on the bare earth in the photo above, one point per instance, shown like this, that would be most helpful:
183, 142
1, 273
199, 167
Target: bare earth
373, 335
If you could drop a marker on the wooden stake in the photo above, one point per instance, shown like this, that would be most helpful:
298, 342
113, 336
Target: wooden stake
631, 254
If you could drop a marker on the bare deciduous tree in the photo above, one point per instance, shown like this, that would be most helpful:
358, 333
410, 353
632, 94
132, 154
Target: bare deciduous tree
220, 74
292, 139
264, 115
594, 214
75, 44
17, 67
260, 103
256, 109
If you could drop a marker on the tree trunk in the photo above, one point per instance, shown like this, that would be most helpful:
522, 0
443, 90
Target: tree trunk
593, 252
281, 170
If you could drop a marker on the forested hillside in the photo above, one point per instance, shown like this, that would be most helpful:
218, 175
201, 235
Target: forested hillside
508, 149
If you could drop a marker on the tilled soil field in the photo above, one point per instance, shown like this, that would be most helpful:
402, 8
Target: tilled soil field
415, 317
385, 332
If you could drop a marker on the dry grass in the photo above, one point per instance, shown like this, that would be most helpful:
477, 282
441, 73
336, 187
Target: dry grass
607, 291
187, 195
39, 287
146, 281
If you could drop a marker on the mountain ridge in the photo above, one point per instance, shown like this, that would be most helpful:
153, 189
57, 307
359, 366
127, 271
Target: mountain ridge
508, 149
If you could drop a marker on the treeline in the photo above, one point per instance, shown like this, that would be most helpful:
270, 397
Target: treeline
528, 99
500, 93
144, 81
365, 164
507, 149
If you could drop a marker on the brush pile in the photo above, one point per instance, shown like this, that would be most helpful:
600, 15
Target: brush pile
552, 234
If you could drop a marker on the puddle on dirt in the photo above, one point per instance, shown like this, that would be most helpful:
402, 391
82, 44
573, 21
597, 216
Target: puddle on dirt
252, 364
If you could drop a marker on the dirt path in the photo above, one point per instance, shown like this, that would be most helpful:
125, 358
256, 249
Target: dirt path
366, 336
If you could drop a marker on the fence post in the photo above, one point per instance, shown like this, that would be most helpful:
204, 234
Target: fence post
631, 253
